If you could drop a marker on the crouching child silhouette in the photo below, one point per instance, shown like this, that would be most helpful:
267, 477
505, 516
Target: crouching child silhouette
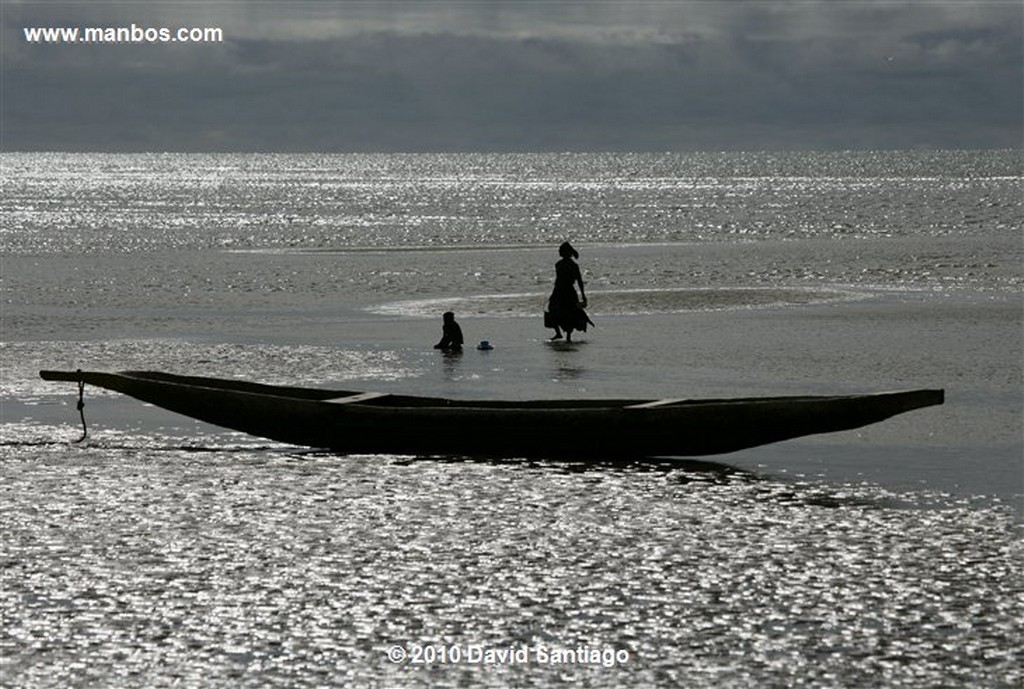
451, 334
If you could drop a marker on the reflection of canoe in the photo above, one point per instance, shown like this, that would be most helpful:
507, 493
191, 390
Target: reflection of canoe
353, 422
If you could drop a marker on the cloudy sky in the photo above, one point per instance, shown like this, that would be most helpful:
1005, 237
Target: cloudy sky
532, 75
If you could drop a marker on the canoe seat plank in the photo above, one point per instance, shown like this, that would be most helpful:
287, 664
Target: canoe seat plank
361, 397
655, 403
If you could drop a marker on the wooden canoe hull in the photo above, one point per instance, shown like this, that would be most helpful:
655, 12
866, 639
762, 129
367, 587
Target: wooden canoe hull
396, 424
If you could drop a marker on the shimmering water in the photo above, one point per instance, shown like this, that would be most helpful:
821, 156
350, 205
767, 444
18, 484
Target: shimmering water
163, 552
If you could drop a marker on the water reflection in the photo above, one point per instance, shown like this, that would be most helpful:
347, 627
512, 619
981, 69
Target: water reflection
139, 565
450, 361
568, 365
672, 468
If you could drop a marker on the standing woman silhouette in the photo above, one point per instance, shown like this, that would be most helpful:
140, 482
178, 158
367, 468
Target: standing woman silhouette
565, 307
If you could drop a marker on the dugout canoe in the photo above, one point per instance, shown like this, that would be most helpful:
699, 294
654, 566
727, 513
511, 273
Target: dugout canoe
355, 422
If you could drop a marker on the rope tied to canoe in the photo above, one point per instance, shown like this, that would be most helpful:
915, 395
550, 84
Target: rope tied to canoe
81, 408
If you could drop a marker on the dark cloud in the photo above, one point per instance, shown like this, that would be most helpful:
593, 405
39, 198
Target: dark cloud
521, 76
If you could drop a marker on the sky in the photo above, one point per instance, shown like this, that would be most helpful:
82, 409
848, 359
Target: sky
531, 75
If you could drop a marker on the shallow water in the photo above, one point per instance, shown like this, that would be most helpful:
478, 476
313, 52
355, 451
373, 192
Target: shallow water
164, 552
263, 567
